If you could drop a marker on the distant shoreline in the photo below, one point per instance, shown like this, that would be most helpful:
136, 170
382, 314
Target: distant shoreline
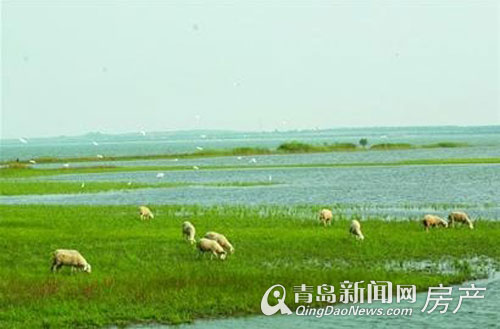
95, 134
292, 147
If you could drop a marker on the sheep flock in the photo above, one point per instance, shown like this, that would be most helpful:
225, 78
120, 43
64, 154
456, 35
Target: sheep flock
219, 246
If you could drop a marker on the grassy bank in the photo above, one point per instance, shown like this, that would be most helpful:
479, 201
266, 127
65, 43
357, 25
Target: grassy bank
298, 147
407, 146
292, 147
145, 272
26, 171
391, 146
18, 187
25, 187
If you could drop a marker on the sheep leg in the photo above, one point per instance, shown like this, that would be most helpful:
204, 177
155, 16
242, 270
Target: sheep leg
54, 266
58, 266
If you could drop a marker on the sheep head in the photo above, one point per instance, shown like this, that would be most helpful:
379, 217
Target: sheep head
87, 268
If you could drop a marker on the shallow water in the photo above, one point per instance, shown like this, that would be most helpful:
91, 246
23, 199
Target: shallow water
187, 141
479, 313
311, 158
384, 191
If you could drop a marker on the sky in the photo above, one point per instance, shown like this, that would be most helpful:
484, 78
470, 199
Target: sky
73, 67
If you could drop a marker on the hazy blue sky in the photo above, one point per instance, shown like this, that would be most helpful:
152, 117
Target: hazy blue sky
70, 67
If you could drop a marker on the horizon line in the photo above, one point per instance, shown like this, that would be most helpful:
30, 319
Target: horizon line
139, 131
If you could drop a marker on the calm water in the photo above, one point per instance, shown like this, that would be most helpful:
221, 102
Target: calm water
383, 191
173, 142
387, 191
314, 158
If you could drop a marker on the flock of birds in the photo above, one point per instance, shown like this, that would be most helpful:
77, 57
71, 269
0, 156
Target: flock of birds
158, 175
143, 133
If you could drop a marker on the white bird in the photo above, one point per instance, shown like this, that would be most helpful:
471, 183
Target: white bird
83, 184
143, 133
383, 136
100, 156
176, 159
66, 165
253, 160
23, 140
196, 167
270, 178
160, 175
32, 161
203, 136
95, 143
239, 158
199, 148
129, 183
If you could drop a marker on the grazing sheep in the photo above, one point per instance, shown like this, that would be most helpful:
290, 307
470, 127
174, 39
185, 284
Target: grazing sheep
207, 245
188, 231
145, 213
69, 258
433, 221
221, 239
325, 216
355, 229
460, 217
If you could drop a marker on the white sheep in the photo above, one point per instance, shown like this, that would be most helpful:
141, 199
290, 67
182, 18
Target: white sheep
459, 217
355, 229
221, 239
325, 216
69, 258
207, 245
188, 231
145, 213
433, 221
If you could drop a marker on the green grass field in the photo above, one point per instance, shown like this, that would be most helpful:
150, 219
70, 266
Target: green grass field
26, 186
146, 272
22, 187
